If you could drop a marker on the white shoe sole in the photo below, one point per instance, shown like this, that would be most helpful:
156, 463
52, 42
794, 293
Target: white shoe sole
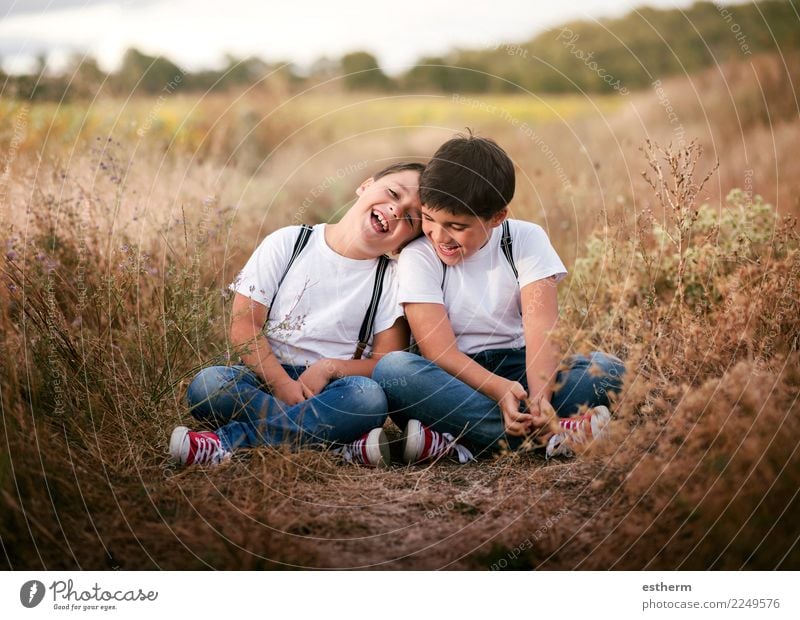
601, 416
413, 441
378, 448
179, 444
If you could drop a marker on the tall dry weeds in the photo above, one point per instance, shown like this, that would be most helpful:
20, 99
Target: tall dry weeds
704, 307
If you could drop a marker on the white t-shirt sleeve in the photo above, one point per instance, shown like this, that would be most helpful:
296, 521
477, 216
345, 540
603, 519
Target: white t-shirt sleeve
389, 309
259, 278
420, 274
534, 256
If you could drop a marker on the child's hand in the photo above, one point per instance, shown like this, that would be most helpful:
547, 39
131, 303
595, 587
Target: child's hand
543, 417
316, 377
542, 412
290, 392
517, 422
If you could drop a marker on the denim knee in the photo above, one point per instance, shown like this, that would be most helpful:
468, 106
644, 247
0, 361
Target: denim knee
368, 400
206, 385
588, 381
394, 369
370, 394
611, 367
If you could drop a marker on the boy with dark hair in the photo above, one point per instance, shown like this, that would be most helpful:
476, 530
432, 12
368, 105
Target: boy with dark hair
306, 305
479, 293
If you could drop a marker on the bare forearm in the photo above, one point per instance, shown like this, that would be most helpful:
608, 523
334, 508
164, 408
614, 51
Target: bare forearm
539, 319
541, 365
350, 368
392, 339
542, 356
257, 354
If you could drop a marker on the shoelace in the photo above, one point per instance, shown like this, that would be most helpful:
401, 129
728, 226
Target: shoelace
577, 431
576, 428
445, 443
207, 450
352, 452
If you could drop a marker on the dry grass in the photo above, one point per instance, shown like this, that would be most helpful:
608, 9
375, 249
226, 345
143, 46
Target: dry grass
116, 256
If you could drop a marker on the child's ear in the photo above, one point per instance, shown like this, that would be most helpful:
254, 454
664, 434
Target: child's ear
364, 185
498, 217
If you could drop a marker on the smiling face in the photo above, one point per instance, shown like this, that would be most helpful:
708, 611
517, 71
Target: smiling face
456, 237
388, 211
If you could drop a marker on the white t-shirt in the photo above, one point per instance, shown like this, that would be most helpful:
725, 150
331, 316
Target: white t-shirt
322, 302
481, 295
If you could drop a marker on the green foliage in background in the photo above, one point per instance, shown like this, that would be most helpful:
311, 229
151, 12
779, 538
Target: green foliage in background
607, 55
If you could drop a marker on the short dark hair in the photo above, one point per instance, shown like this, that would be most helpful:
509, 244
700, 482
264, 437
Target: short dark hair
468, 175
399, 167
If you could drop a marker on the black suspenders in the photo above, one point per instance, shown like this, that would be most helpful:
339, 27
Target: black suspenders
368, 324
369, 319
299, 244
505, 244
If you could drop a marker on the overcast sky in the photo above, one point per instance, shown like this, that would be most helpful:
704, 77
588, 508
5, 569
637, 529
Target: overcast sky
198, 33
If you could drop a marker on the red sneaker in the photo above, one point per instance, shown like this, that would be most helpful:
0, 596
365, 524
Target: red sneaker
372, 450
421, 443
578, 430
190, 447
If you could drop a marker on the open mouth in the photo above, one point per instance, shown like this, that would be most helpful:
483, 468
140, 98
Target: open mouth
379, 223
448, 249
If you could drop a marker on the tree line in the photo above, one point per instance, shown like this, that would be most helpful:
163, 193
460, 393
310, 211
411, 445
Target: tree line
619, 54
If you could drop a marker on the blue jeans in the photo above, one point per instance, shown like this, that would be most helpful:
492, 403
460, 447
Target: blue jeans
234, 399
417, 388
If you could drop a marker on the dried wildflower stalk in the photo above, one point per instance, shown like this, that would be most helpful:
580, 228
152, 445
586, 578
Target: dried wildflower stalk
673, 182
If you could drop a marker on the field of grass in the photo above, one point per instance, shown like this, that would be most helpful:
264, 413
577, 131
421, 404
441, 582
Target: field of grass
122, 221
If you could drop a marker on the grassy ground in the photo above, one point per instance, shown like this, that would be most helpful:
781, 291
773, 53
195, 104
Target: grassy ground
122, 221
